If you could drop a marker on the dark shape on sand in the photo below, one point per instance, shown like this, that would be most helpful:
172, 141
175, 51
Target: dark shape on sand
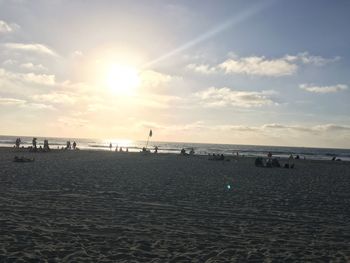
22, 159
275, 163
259, 162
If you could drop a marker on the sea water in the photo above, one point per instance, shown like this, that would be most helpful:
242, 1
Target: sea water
175, 147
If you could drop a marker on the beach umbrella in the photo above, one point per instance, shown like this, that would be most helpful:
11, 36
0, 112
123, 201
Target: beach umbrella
149, 136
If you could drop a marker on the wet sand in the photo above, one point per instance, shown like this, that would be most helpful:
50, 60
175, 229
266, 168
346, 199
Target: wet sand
86, 206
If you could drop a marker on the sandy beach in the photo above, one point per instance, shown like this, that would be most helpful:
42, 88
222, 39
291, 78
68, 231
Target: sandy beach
95, 206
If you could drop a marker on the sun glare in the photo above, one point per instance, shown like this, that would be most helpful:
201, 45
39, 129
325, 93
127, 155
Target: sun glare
122, 79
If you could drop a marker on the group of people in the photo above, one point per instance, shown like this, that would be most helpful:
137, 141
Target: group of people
145, 150
70, 146
34, 147
216, 157
46, 147
274, 162
183, 152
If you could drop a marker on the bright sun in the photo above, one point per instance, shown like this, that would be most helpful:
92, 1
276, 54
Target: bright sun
122, 79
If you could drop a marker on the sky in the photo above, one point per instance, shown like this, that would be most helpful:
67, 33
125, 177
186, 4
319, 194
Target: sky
235, 72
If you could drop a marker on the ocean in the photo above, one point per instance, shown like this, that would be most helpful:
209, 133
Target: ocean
175, 147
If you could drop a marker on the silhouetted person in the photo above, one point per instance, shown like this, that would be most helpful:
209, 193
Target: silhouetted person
74, 145
156, 149
110, 146
34, 144
68, 146
18, 142
46, 145
192, 151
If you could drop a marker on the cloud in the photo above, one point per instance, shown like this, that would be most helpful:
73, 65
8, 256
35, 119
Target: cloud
270, 128
305, 58
158, 101
331, 128
36, 48
258, 66
262, 66
41, 79
54, 97
24, 104
203, 68
323, 89
11, 101
151, 78
7, 28
221, 97
9, 62
72, 122
34, 67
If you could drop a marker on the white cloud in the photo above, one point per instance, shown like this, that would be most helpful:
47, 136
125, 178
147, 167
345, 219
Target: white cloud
36, 48
331, 128
306, 58
7, 28
262, 66
258, 66
72, 122
41, 79
270, 128
202, 68
11, 101
221, 97
151, 78
323, 89
54, 97
9, 62
34, 67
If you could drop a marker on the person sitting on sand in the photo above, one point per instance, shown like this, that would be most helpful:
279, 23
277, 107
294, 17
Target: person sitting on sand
183, 151
74, 145
222, 157
192, 151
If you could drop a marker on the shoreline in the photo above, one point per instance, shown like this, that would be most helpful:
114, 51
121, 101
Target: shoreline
232, 156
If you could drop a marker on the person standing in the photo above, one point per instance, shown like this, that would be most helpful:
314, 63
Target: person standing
34, 144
